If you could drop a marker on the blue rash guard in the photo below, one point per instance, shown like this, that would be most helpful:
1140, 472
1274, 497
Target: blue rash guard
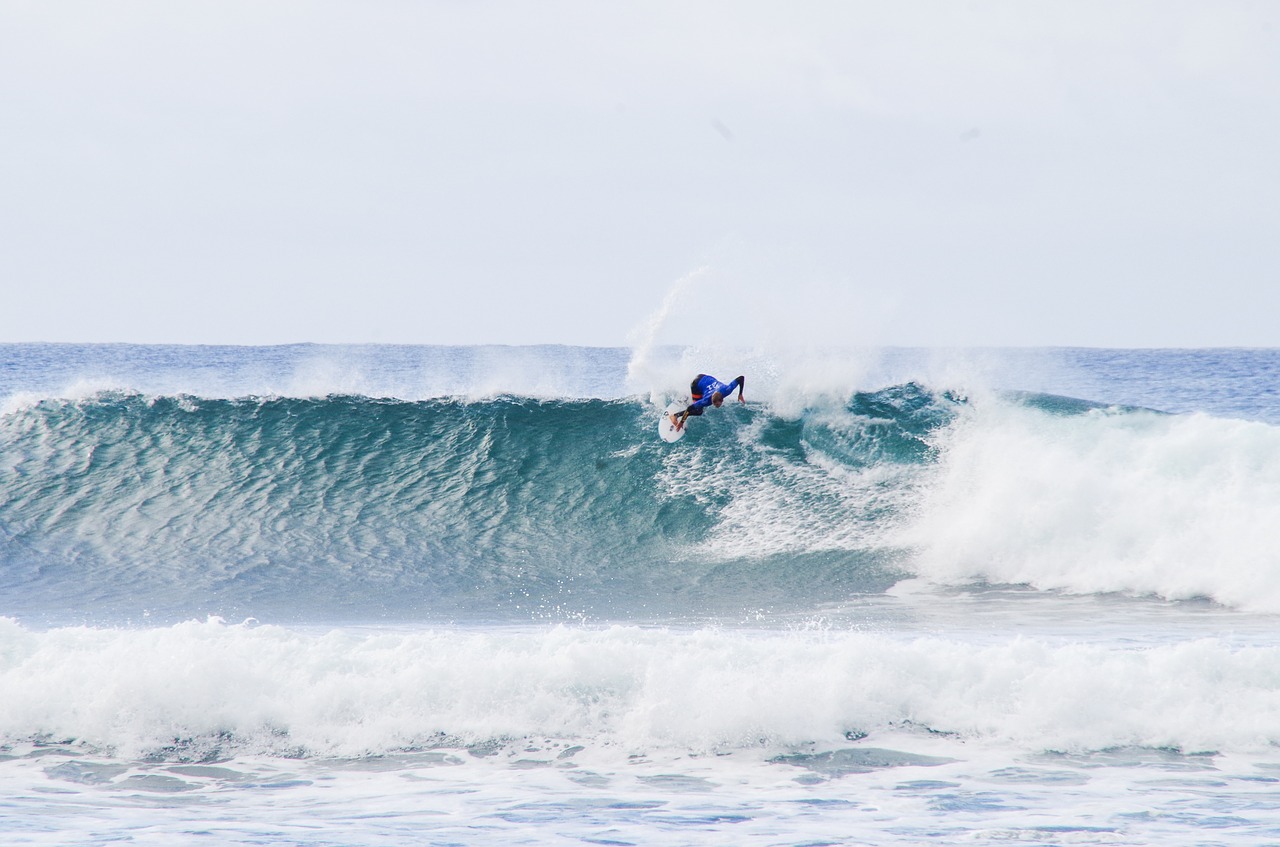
703, 386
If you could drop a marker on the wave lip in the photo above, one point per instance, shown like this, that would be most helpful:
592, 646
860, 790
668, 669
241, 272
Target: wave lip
313, 371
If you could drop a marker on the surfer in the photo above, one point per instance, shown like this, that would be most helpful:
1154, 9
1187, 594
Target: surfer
707, 391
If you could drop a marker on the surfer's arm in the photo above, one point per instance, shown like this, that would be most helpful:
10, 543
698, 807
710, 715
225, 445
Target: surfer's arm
741, 382
693, 410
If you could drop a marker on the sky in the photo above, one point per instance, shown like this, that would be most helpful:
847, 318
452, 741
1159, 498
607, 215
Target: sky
1021, 173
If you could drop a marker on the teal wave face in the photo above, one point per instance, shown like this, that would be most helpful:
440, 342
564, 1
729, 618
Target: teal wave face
364, 508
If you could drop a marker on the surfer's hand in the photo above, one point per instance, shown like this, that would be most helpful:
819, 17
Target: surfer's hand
741, 399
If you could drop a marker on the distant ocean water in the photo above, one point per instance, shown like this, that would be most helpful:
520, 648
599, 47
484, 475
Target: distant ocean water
327, 595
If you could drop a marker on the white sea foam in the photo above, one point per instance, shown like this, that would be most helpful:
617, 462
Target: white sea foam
354, 692
1177, 506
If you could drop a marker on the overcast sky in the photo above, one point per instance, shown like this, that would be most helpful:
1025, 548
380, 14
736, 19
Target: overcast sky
939, 173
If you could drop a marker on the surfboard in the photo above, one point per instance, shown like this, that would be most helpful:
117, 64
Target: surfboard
665, 429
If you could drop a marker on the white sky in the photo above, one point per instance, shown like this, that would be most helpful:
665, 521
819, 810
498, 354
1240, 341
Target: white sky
1031, 172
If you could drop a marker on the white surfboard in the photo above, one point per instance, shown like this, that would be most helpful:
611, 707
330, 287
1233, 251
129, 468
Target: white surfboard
666, 430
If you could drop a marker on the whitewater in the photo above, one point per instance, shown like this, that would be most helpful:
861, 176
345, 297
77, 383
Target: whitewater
323, 595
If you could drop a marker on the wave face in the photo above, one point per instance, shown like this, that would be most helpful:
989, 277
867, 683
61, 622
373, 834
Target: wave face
347, 507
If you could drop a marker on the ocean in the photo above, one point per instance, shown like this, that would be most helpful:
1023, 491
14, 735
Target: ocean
383, 595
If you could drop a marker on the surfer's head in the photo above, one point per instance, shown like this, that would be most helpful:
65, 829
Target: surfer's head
716, 399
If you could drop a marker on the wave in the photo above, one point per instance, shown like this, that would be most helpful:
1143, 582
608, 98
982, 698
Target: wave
206, 690
352, 508
375, 508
